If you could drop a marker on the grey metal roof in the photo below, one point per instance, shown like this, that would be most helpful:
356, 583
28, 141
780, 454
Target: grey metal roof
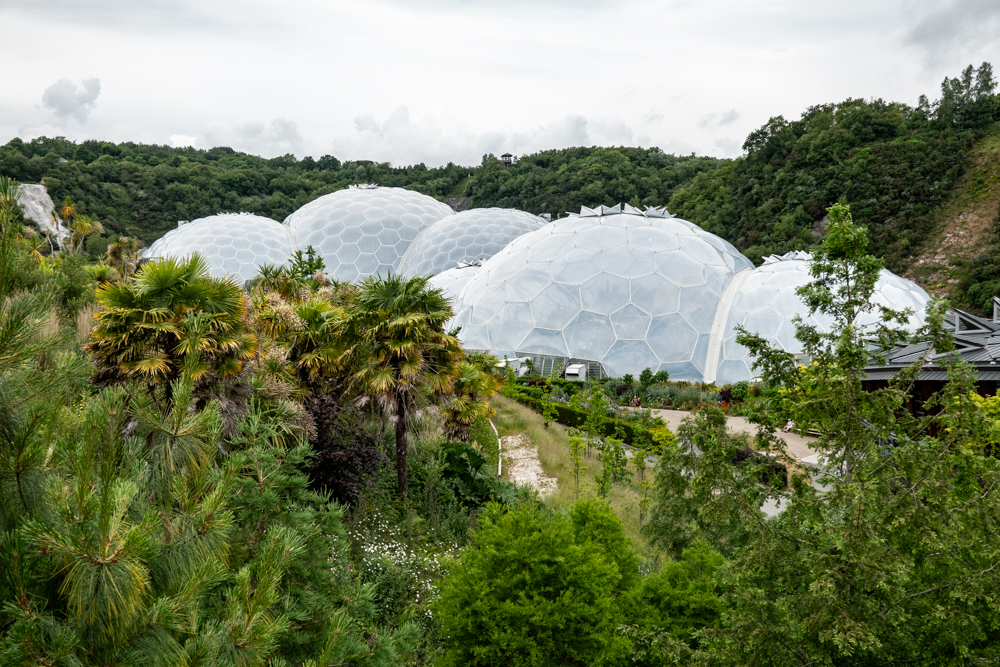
977, 341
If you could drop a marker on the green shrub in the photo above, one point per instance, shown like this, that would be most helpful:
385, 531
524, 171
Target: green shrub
740, 390
680, 599
532, 590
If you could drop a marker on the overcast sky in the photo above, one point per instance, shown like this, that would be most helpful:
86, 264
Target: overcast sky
435, 81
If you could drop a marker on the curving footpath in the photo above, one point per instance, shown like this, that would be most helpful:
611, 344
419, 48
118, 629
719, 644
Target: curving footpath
797, 445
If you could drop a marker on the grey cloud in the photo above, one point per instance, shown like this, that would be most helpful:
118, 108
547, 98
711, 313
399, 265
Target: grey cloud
730, 116
607, 131
505, 5
570, 131
151, 16
954, 25
730, 147
719, 119
652, 117
278, 137
67, 100
401, 140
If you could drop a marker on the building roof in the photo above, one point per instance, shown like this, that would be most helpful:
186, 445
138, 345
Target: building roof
977, 342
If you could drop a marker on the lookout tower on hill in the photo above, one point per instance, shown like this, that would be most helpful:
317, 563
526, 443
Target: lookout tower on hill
508, 159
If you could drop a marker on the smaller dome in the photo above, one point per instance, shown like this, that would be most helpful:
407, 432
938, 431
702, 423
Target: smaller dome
235, 244
364, 230
765, 303
474, 234
453, 281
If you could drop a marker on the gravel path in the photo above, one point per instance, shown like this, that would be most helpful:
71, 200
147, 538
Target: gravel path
798, 446
521, 465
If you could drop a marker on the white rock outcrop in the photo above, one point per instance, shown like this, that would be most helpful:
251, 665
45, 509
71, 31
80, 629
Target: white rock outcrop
36, 204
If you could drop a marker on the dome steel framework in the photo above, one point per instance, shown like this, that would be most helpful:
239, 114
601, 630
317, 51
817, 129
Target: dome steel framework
472, 235
764, 302
235, 244
364, 230
627, 288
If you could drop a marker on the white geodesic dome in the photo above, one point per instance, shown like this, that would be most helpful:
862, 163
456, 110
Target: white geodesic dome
627, 288
235, 244
764, 301
472, 235
364, 230
453, 281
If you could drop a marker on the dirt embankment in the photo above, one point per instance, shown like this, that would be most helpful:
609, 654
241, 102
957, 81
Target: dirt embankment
965, 223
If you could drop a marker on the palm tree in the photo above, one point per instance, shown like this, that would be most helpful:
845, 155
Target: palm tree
123, 254
68, 211
170, 307
400, 353
475, 383
82, 227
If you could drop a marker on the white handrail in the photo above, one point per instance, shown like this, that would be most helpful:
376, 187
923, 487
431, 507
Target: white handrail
499, 450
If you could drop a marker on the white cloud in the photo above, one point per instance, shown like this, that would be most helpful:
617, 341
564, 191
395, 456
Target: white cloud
66, 100
179, 140
730, 147
401, 140
279, 137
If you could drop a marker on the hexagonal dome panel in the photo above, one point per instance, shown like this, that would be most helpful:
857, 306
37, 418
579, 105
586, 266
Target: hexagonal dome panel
453, 281
364, 230
624, 287
472, 235
235, 244
765, 303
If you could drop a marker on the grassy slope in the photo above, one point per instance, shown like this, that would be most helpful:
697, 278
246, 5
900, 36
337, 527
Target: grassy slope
964, 222
460, 188
554, 453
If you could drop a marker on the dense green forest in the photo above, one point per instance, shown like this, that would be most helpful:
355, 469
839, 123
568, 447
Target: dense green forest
560, 181
143, 190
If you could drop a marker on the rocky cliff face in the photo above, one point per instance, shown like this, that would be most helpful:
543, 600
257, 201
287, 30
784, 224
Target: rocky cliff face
458, 204
37, 206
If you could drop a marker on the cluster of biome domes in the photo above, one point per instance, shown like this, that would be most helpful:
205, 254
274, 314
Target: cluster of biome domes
617, 288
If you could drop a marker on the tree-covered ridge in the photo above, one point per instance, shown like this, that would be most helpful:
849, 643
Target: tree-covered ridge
556, 181
143, 190
894, 164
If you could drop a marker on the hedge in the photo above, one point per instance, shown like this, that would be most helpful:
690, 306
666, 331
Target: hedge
633, 434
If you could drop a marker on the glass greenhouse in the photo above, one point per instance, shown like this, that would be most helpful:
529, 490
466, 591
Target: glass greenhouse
474, 234
764, 301
364, 230
627, 288
235, 244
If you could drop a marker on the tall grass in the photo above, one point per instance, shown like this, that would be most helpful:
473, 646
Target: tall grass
85, 321
555, 456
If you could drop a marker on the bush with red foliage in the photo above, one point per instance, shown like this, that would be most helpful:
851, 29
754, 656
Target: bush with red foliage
346, 457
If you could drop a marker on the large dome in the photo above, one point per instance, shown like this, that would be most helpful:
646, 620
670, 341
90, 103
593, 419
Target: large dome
626, 288
364, 230
235, 244
474, 234
764, 301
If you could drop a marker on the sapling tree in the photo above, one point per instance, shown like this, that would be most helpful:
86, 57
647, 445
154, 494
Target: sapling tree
888, 554
614, 465
576, 449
